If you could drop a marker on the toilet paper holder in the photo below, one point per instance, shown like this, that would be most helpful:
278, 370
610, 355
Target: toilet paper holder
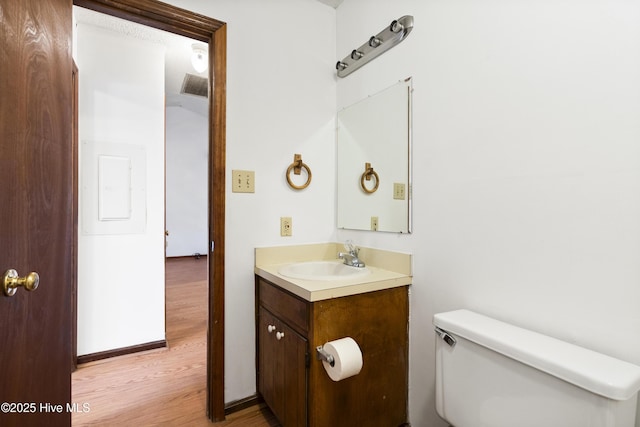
321, 354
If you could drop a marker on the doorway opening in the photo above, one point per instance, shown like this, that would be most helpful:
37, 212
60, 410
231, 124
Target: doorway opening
207, 30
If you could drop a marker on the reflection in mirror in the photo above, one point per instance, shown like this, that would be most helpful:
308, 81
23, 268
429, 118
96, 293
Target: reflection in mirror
374, 173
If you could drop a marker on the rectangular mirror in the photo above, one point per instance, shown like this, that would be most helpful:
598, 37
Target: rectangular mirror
374, 163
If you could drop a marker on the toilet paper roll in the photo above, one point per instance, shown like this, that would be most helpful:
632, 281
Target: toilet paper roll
347, 358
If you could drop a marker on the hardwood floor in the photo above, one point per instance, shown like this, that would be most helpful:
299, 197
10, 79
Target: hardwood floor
164, 386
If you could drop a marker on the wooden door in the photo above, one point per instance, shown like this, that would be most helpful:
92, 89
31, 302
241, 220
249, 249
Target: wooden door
36, 210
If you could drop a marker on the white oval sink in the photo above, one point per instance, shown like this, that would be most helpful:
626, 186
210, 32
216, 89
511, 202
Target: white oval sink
322, 270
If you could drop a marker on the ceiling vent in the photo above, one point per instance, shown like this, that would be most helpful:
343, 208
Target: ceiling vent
194, 85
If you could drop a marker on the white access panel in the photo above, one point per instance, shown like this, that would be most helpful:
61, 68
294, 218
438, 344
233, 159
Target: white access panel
114, 188
113, 196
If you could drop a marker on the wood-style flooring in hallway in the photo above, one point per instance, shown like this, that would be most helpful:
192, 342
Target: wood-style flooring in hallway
166, 386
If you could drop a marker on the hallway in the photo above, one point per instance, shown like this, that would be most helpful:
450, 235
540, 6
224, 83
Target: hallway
164, 386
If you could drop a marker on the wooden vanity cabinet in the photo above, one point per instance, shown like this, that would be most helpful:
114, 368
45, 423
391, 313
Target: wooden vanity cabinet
294, 383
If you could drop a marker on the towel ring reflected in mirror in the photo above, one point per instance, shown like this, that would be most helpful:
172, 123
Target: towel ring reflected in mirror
366, 176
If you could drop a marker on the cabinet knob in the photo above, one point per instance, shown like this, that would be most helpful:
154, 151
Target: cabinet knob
271, 328
279, 335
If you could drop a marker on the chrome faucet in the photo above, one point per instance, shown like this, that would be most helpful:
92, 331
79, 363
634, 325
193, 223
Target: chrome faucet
351, 257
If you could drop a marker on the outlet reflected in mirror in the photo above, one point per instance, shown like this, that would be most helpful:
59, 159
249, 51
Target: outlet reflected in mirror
374, 164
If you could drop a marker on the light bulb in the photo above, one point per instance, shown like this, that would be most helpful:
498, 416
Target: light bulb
199, 58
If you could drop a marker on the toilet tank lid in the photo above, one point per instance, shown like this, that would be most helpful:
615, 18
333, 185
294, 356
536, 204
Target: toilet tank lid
598, 373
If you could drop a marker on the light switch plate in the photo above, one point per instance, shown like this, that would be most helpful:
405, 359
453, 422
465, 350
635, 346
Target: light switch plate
398, 191
243, 181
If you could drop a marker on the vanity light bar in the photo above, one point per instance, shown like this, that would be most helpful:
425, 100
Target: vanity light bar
377, 45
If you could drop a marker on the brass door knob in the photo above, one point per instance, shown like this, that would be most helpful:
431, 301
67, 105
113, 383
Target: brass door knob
11, 281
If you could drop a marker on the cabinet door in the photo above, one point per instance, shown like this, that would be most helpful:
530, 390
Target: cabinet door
295, 378
270, 360
282, 370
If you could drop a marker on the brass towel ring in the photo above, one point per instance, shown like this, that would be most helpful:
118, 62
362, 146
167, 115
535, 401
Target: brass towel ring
297, 167
368, 172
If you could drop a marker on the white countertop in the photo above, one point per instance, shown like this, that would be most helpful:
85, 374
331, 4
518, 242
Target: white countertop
267, 267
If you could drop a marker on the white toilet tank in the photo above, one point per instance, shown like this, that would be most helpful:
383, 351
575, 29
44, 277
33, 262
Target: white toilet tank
493, 374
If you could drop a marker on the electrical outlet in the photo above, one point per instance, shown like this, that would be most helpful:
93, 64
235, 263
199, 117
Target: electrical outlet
286, 226
398, 191
374, 223
243, 181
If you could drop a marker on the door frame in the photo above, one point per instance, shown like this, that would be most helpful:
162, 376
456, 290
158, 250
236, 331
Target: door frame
199, 27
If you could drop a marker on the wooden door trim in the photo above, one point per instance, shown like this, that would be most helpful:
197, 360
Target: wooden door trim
189, 24
74, 216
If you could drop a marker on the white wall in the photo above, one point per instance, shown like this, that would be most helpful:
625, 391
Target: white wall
187, 149
526, 166
121, 276
280, 101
